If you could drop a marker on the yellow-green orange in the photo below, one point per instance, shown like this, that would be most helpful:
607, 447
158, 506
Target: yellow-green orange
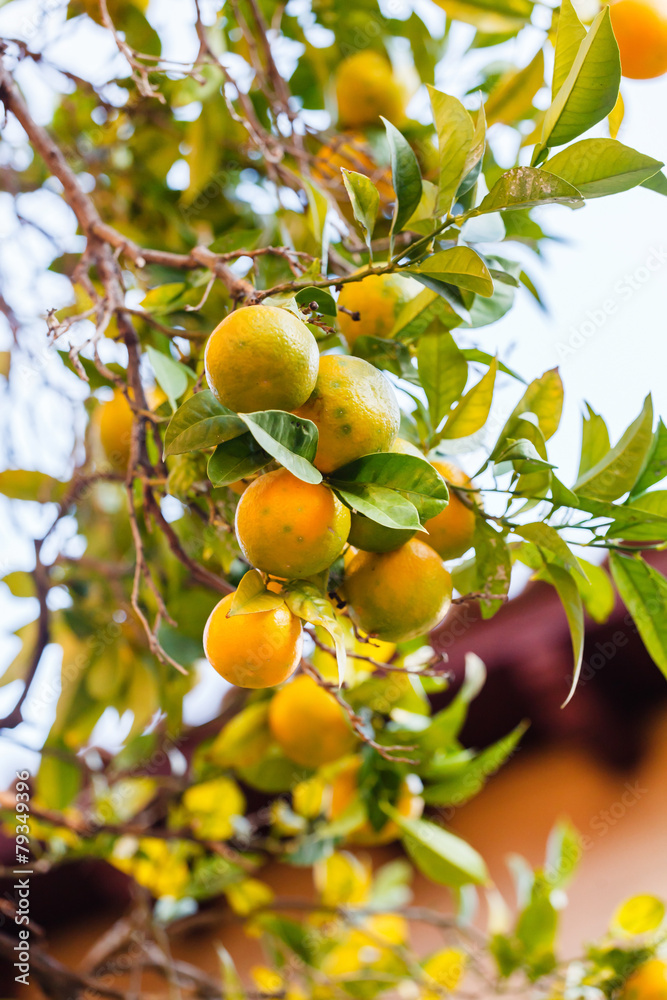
261, 358
398, 595
115, 424
290, 528
366, 89
355, 410
345, 790
451, 531
254, 651
377, 300
309, 725
649, 982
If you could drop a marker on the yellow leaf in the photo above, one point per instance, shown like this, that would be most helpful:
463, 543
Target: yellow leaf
446, 968
342, 878
211, 805
249, 895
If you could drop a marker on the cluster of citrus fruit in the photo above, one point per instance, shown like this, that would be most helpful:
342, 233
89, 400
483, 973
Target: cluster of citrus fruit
396, 586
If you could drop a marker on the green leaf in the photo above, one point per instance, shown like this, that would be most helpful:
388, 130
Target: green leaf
643, 590
455, 132
389, 355
290, 439
618, 471
418, 314
472, 412
598, 167
450, 293
657, 183
406, 176
58, 782
19, 484
365, 200
460, 266
491, 17
95, 379
656, 463
652, 505
305, 601
512, 99
597, 592
485, 311
594, 441
523, 455
568, 592
438, 854
544, 399
252, 596
379, 503
474, 354
549, 541
570, 35
471, 779
171, 375
493, 566
564, 853
201, 422
414, 478
232, 986
589, 92
639, 915
236, 459
526, 187
443, 373
326, 304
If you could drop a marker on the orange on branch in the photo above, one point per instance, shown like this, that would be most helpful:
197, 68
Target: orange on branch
398, 595
366, 89
648, 982
309, 725
350, 151
377, 300
257, 650
290, 528
640, 27
115, 425
451, 531
261, 358
355, 410
345, 790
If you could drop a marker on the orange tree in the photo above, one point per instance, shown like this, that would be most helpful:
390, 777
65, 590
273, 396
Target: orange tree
264, 252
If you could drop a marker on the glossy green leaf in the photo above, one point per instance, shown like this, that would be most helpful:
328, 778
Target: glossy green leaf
512, 99
657, 183
549, 541
414, 478
472, 412
589, 91
594, 441
596, 591
460, 266
201, 422
643, 590
326, 304
172, 376
569, 37
406, 176
252, 596
443, 373
418, 314
365, 200
290, 439
383, 505
618, 471
470, 780
474, 354
544, 399
599, 167
571, 600
455, 131
655, 469
236, 459
440, 855
493, 566
493, 17
307, 602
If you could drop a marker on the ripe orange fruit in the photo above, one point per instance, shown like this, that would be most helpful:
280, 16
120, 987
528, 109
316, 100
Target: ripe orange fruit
290, 528
345, 789
349, 150
648, 982
640, 27
378, 299
309, 725
355, 410
451, 531
115, 425
254, 651
366, 89
398, 595
261, 358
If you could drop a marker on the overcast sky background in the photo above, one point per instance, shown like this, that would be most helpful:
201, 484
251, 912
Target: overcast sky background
605, 287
